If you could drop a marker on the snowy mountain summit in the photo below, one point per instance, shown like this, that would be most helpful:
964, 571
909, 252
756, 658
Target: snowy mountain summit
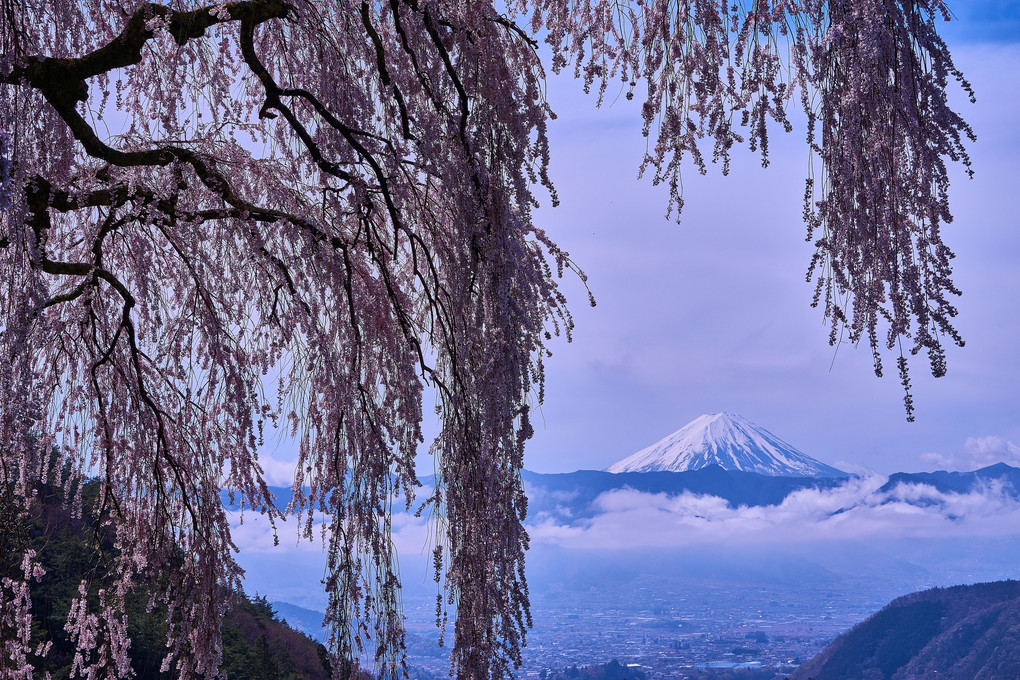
727, 440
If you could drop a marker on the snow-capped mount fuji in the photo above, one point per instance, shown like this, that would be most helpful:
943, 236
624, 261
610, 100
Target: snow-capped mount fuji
729, 441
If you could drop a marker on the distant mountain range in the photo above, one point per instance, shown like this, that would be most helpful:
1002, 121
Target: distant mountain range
727, 456
962, 482
302, 619
571, 496
730, 441
959, 633
573, 493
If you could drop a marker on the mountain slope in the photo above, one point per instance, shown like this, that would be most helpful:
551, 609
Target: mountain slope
257, 645
959, 633
962, 482
729, 441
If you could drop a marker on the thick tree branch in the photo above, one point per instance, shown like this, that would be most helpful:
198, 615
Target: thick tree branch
70, 74
62, 81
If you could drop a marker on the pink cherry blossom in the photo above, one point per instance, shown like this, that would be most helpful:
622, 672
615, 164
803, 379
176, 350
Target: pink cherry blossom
222, 218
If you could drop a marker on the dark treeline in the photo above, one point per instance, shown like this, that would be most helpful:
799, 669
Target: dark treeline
613, 670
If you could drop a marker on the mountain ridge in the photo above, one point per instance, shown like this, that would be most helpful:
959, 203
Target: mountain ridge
961, 481
570, 495
957, 633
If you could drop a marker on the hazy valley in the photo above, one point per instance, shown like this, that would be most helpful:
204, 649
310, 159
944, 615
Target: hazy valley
669, 570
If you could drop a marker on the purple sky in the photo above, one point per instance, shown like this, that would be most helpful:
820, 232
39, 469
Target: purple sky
713, 314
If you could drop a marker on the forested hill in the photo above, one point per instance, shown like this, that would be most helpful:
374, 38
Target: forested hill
959, 633
257, 645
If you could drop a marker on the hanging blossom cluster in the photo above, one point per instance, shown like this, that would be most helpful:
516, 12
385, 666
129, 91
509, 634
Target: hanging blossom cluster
5, 170
238, 219
884, 190
871, 77
19, 654
228, 220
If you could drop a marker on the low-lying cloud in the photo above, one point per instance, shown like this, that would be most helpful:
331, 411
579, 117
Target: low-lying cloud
254, 533
861, 512
624, 518
857, 509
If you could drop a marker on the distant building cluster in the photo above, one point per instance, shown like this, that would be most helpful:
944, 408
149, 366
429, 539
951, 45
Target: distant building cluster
671, 635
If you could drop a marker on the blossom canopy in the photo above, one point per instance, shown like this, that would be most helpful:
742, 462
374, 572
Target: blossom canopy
224, 219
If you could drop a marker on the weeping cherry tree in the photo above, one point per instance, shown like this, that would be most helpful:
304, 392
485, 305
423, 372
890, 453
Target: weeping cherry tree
226, 219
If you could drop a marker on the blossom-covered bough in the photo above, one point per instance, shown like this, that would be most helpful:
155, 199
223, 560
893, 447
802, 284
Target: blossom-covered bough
224, 220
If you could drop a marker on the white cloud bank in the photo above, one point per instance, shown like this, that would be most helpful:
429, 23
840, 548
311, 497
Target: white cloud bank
855, 510
253, 533
624, 519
